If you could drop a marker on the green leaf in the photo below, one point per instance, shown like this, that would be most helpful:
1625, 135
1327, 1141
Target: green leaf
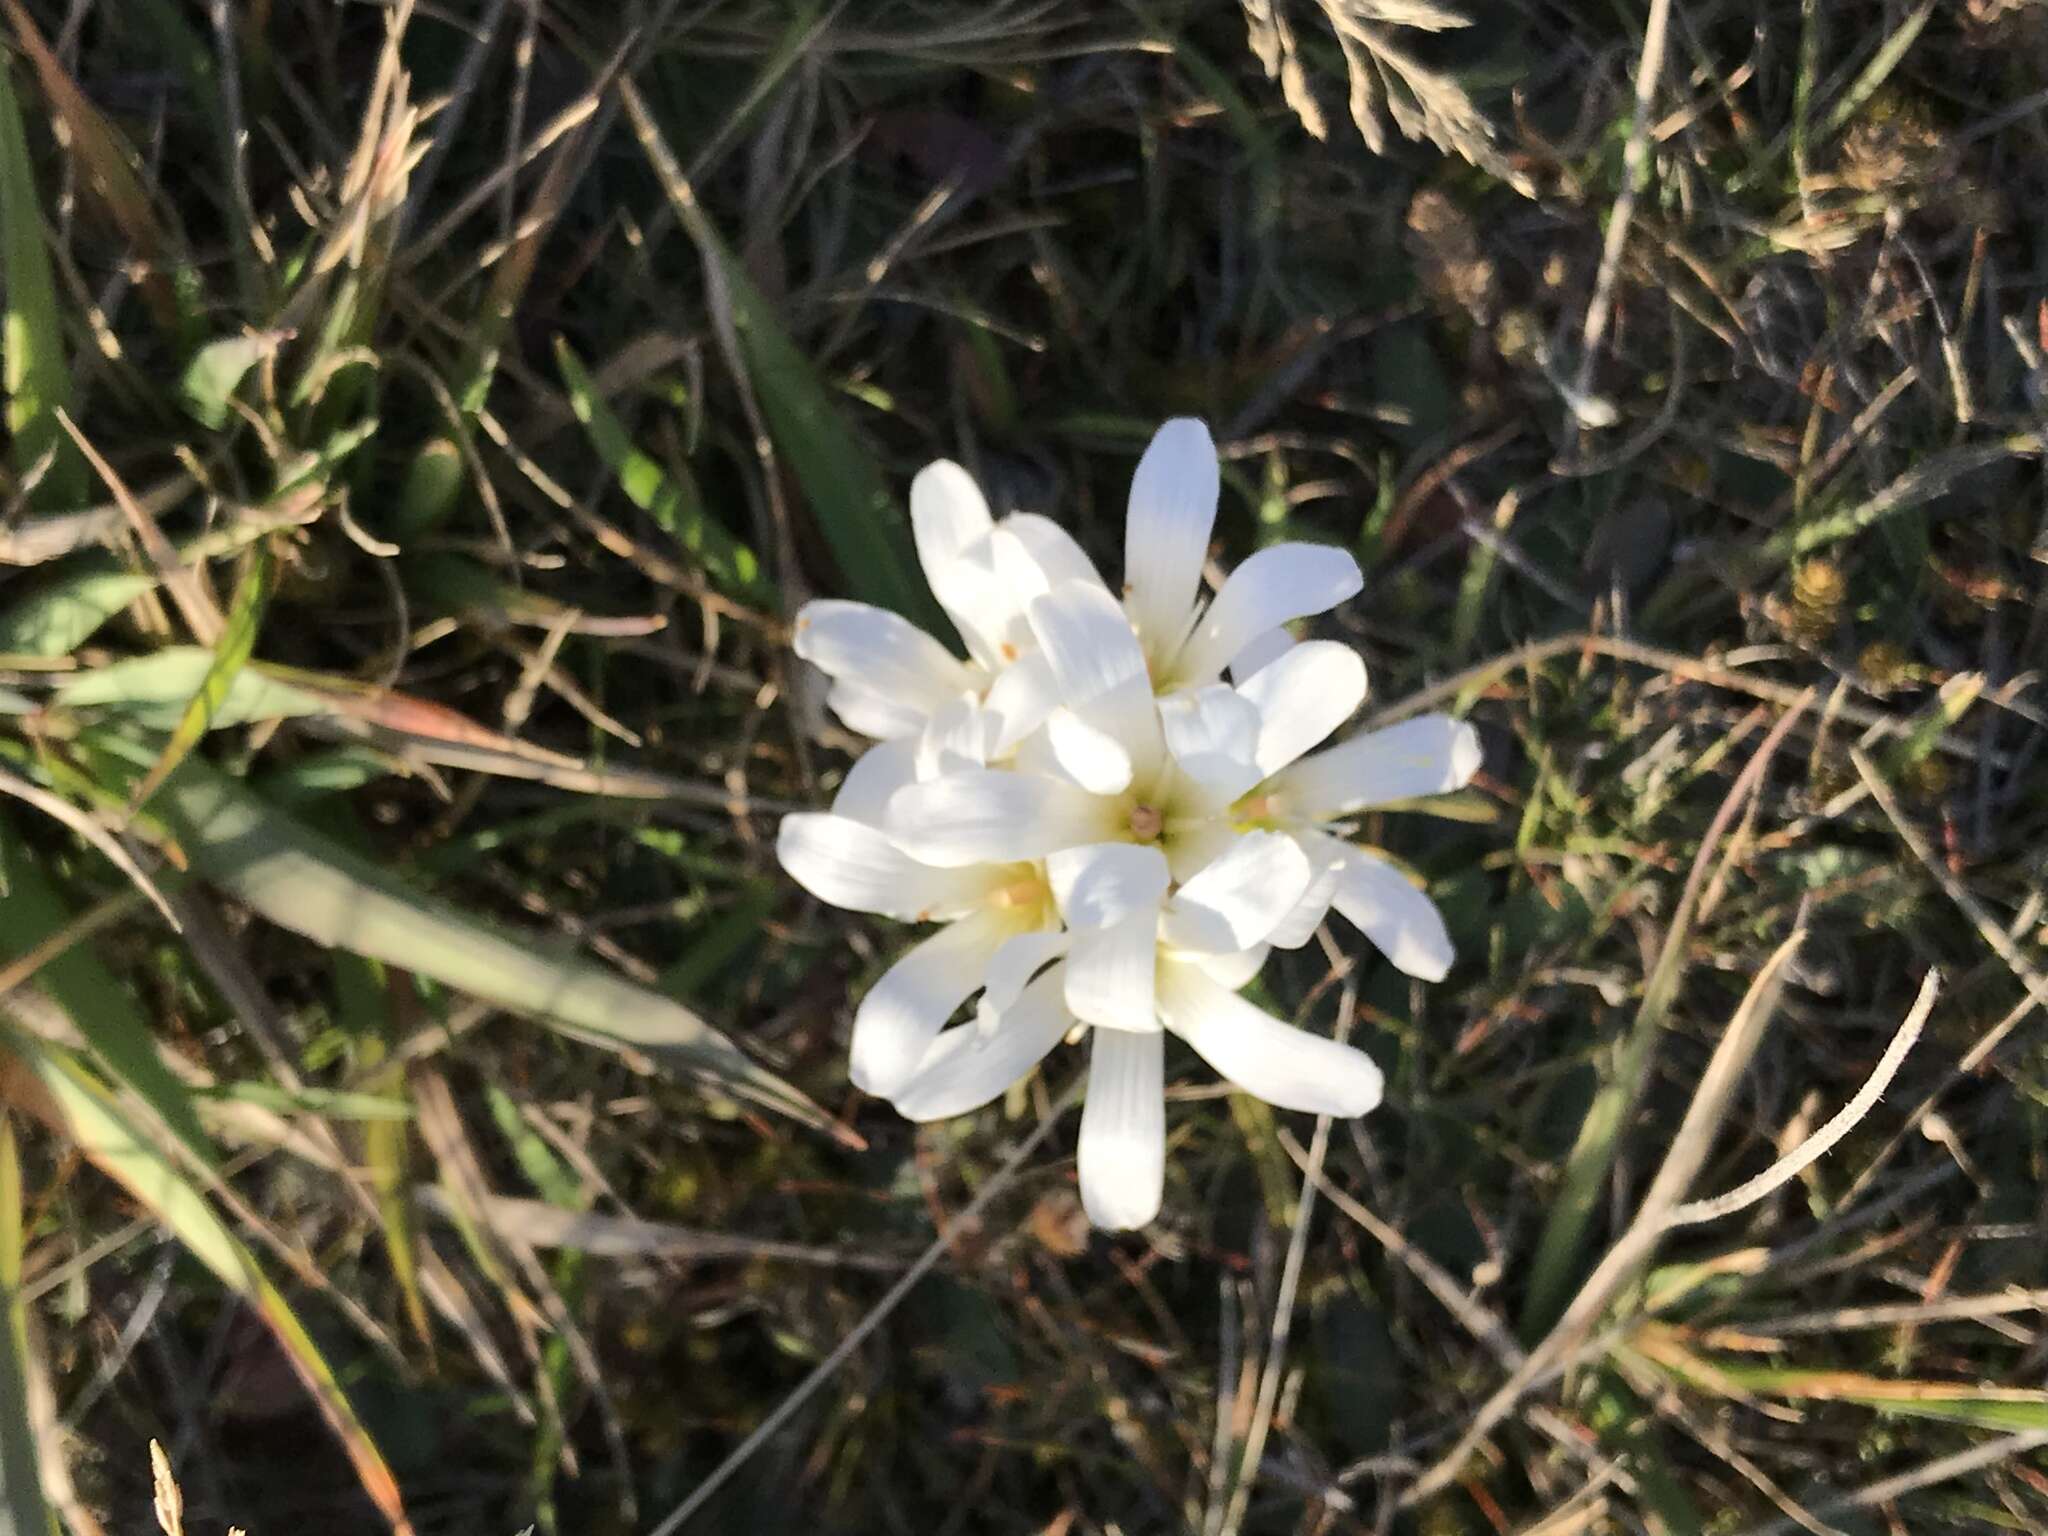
313, 885
102, 1009
671, 500
21, 1484
32, 368
216, 372
237, 641
66, 613
158, 690
85, 1113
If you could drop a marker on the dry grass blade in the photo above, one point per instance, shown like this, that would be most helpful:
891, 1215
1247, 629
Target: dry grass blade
1681, 1165
186, 585
59, 809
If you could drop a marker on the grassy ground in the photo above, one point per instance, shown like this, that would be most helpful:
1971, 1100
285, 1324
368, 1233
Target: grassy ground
422, 422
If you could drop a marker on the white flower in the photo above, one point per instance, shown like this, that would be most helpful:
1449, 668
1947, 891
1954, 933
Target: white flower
889, 677
996, 916
1139, 963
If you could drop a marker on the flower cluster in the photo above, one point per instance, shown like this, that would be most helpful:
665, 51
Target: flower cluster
1113, 808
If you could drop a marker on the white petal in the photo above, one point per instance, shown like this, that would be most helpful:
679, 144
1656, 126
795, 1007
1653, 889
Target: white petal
852, 865
1105, 883
1035, 554
966, 1067
1093, 758
1020, 959
1087, 640
1211, 734
1429, 755
1166, 532
875, 775
1279, 1063
876, 714
879, 651
1019, 700
1402, 922
1197, 843
1287, 581
948, 516
1123, 1129
903, 1013
1110, 972
1262, 650
1237, 901
1301, 698
949, 519
955, 737
988, 814
1325, 857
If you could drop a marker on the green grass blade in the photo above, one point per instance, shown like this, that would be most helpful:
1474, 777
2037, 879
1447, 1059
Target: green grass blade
21, 1484
237, 643
69, 611
315, 886
32, 367
216, 372
671, 500
866, 527
158, 691
103, 1010
82, 1111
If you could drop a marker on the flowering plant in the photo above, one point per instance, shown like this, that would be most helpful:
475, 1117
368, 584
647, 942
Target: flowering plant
1114, 808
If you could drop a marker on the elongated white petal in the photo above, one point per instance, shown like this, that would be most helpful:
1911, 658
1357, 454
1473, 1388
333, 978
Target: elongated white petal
1109, 973
1093, 758
1325, 857
903, 1013
949, 519
1301, 698
1259, 652
1087, 640
1241, 898
1277, 1062
875, 775
1123, 1129
1019, 959
853, 865
1105, 883
875, 714
1019, 701
948, 516
1198, 842
990, 815
1035, 554
1287, 581
1166, 534
1429, 755
879, 651
956, 737
1402, 922
968, 1066
1211, 735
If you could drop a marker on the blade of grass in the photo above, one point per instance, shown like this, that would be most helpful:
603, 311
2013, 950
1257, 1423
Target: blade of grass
237, 642
77, 1108
1561, 1250
315, 886
21, 1488
109, 165
32, 366
866, 528
100, 1008
671, 500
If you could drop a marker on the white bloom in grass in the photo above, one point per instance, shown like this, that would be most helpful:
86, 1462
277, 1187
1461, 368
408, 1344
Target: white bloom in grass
1138, 964
889, 677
